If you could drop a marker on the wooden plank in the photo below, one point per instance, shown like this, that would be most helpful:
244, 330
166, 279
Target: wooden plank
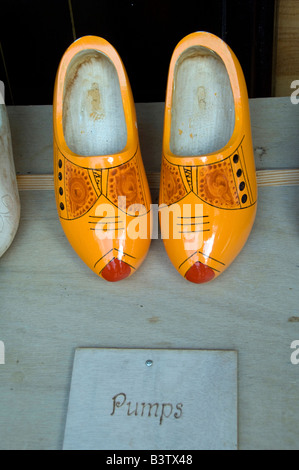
277, 177
287, 60
275, 124
264, 178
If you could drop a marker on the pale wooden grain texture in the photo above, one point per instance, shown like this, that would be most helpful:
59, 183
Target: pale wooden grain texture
92, 114
51, 303
110, 386
203, 112
287, 51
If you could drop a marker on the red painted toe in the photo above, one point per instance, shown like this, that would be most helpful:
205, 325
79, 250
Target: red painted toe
200, 273
116, 270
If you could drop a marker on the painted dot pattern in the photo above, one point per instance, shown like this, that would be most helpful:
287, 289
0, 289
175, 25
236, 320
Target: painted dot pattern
239, 174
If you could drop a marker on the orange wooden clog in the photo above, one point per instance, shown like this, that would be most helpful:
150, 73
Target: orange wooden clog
102, 195
208, 178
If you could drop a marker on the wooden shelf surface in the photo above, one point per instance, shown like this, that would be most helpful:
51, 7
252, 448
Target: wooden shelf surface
51, 303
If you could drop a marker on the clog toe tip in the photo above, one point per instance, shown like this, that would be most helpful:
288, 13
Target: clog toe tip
200, 273
116, 270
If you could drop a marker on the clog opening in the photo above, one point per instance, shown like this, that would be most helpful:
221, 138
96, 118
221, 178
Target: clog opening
203, 111
93, 115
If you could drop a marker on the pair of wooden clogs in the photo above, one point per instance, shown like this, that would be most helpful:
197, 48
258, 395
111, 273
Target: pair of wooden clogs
208, 189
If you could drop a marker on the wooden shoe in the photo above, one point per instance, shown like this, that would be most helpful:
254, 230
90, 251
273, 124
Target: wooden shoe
9, 195
102, 195
208, 177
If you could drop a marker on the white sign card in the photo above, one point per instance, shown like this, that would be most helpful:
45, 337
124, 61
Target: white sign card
152, 399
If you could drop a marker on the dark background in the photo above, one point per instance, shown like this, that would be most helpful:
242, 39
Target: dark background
34, 35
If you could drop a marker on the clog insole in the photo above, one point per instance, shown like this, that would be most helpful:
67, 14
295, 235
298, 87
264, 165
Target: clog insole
203, 113
93, 115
